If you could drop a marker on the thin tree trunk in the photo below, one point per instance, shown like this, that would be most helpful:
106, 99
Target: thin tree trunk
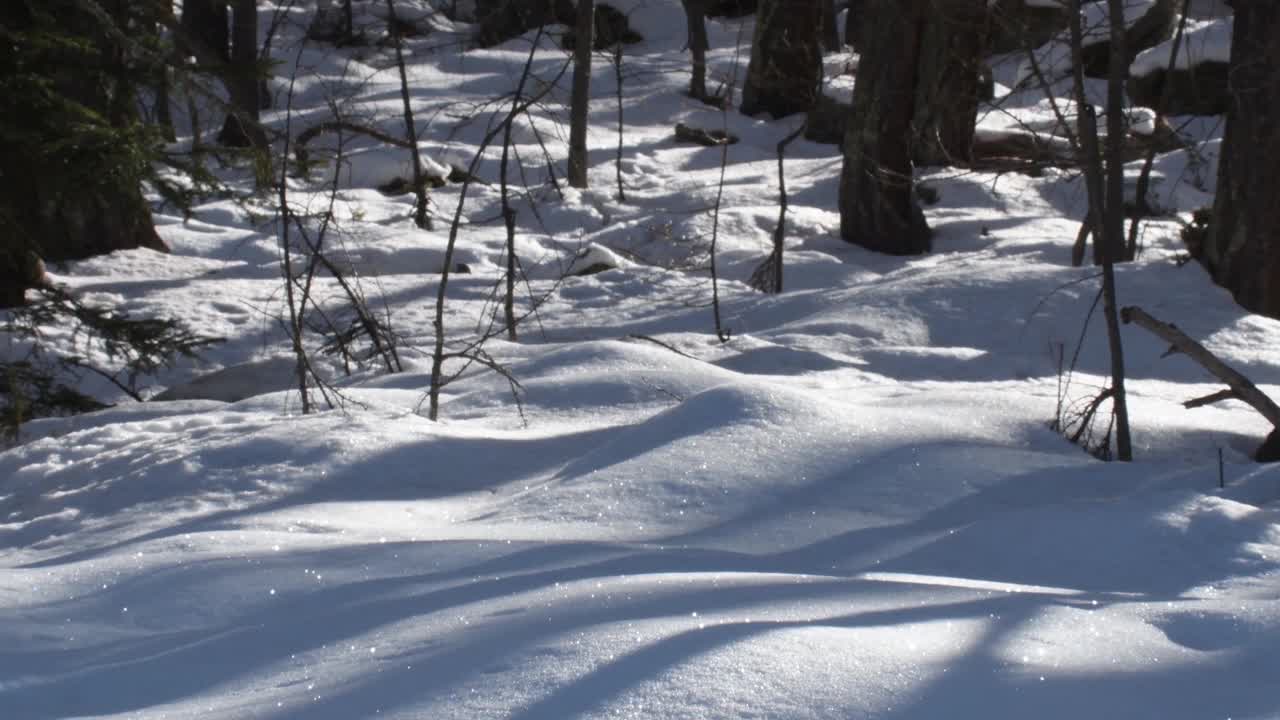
695, 13
584, 41
1106, 195
297, 310
1114, 226
411, 132
242, 127
438, 354
1114, 220
617, 77
767, 277
164, 104
509, 221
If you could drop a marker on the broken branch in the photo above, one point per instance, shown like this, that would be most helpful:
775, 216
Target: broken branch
1241, 387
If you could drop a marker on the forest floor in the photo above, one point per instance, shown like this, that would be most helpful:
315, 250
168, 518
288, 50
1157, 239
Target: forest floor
855, 507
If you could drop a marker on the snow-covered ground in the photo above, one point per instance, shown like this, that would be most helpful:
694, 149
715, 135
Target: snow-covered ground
853, 508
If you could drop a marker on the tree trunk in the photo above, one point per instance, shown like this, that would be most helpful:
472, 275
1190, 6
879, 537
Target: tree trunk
878, 205
584, 41
164, 103
695, 13
854, 22
1113, 228
785, 72
242, 128
1243, 249
59, 199
410, 130
947, 86
830, 33
205, 21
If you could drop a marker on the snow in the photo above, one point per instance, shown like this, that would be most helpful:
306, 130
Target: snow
1096, 18
1203, 41
852, 508
1054, 57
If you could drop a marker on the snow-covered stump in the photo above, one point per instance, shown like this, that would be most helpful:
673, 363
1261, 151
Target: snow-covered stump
1199, 81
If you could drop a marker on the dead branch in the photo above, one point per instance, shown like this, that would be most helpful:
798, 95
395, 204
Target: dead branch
1209, 399
1241, 388
655, 341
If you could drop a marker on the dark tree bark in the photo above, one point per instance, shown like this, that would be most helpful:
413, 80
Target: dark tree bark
242, 128
584, 41
830, 33
1019, 25
854, 22
915, 103
501, 20
1243, 249
163, 103
63, 200
785, 72
947, 89
731, 8
695, 13
206, 22
19, 271
878, 205
1153, 28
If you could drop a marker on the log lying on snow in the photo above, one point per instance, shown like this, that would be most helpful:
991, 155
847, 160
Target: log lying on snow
709, 138
1239, 387
1031, 152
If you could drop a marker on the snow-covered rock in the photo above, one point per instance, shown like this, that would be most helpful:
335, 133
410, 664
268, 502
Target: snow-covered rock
1019, 24
1199, 82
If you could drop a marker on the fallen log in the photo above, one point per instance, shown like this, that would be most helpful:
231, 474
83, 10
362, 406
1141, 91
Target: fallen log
709, 138
1239, 387
1031, 153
